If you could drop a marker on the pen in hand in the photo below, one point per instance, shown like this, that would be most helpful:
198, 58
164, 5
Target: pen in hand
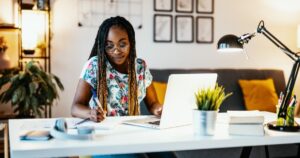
95, 98
98, 109
82, 121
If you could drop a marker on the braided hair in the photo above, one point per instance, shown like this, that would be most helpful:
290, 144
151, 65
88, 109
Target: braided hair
99, 50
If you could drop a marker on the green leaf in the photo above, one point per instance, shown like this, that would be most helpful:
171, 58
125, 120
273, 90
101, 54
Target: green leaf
16, 96
58, 82
32, 88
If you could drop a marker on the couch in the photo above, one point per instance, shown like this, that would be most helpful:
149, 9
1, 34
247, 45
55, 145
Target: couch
228, 78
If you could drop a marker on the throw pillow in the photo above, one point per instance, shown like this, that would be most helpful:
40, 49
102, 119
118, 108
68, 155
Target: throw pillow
160, 88
259, 94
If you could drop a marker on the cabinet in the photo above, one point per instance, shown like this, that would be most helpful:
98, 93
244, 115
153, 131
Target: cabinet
34, 19
25, 33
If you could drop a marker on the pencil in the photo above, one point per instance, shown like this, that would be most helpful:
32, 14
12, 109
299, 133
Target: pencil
82, 121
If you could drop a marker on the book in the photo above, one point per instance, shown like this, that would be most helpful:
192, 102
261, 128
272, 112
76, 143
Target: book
245, 117
246, 129
35, 135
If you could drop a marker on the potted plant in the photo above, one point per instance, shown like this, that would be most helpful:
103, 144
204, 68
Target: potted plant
208, 101
29, 91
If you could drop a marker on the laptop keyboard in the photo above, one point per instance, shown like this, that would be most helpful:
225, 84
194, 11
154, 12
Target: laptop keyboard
155, 122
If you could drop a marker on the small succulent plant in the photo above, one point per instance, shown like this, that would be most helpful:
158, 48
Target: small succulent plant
210, 98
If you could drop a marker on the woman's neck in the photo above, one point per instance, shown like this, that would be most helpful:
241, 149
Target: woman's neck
123, 68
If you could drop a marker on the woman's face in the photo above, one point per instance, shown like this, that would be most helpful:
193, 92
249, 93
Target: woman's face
117, 46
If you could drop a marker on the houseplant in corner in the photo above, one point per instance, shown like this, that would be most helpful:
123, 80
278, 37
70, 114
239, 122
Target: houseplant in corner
208, 101
29, 91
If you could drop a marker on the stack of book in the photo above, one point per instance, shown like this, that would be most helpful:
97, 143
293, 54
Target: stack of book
249, 123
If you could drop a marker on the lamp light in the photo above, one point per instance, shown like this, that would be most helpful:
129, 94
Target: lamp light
231, 42
33, 29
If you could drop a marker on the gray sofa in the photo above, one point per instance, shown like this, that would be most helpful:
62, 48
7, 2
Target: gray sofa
229, 79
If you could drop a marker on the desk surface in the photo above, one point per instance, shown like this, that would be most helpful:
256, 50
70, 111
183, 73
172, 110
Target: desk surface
131, 139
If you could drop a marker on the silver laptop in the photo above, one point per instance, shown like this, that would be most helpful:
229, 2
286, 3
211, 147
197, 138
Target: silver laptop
179, 101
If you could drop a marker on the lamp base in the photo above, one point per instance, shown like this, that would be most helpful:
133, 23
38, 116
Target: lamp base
28, 51
273, 126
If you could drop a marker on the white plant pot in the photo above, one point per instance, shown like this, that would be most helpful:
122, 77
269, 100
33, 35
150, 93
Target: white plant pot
204, 122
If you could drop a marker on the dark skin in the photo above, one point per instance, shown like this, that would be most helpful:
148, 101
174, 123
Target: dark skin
117, 52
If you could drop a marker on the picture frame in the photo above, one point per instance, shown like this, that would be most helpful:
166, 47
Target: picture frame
184, 6
204, 29
12, 42
163, 5
162, 29
205, 6
184, 29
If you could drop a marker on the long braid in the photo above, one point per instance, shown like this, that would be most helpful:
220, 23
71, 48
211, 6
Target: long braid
99, 50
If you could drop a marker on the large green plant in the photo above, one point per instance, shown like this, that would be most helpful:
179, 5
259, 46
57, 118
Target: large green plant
29, 91
210, 98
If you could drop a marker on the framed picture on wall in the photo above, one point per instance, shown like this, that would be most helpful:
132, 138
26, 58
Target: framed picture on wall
184, 26
10, 40
204, 29
205, 6
162, 28
163, 5
184, 6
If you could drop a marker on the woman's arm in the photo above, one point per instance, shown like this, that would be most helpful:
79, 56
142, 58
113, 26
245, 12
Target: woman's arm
80, 105
153, 106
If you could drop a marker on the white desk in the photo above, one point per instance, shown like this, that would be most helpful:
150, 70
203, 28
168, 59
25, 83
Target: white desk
130, 139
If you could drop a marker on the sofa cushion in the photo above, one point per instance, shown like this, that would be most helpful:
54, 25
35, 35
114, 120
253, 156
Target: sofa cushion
160, 88
228, 78
259, 94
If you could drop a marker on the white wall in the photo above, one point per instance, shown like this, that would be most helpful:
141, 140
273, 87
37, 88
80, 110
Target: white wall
71, 45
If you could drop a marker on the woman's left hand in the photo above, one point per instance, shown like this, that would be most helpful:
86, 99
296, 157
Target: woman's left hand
157, 110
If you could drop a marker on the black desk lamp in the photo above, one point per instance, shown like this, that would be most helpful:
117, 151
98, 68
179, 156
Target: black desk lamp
233, 43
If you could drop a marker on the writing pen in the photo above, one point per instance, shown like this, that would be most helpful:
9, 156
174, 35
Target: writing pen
95, 98
82, 121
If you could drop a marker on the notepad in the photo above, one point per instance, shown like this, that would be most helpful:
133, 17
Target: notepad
106, 124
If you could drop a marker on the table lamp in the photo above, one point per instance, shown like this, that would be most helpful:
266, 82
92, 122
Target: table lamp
233, 43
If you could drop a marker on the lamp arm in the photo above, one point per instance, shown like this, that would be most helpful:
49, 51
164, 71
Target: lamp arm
261, 29
293, 76
288, 90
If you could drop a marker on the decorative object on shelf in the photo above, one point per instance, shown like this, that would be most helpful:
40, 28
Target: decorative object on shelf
10, 47
4, 60
184, 6
184, 29
31, 90
163, 5
3, 45
204, 29
162, 28
229, 43
205, 6
208, 101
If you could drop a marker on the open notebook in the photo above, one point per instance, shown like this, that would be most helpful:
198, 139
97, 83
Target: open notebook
179, 101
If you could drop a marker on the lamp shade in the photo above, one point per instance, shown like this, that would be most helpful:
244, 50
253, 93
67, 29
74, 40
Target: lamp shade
229, 43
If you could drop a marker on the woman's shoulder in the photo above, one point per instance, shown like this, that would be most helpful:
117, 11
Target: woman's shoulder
140, 61
93, 59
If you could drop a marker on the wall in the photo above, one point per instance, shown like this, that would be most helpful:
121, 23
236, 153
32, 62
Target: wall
71, 45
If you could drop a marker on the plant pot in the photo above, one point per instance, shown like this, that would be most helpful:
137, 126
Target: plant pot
204, 122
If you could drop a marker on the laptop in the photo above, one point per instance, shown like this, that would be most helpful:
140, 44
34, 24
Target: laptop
179, 101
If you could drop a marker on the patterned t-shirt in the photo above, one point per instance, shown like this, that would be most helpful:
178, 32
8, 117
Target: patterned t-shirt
117, 83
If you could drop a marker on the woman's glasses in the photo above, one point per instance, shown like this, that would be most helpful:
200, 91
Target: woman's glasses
110, 48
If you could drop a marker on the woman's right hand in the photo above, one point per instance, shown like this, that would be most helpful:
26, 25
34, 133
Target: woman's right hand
97, 115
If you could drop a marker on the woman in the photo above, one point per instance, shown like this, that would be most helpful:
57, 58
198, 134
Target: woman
121, 81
